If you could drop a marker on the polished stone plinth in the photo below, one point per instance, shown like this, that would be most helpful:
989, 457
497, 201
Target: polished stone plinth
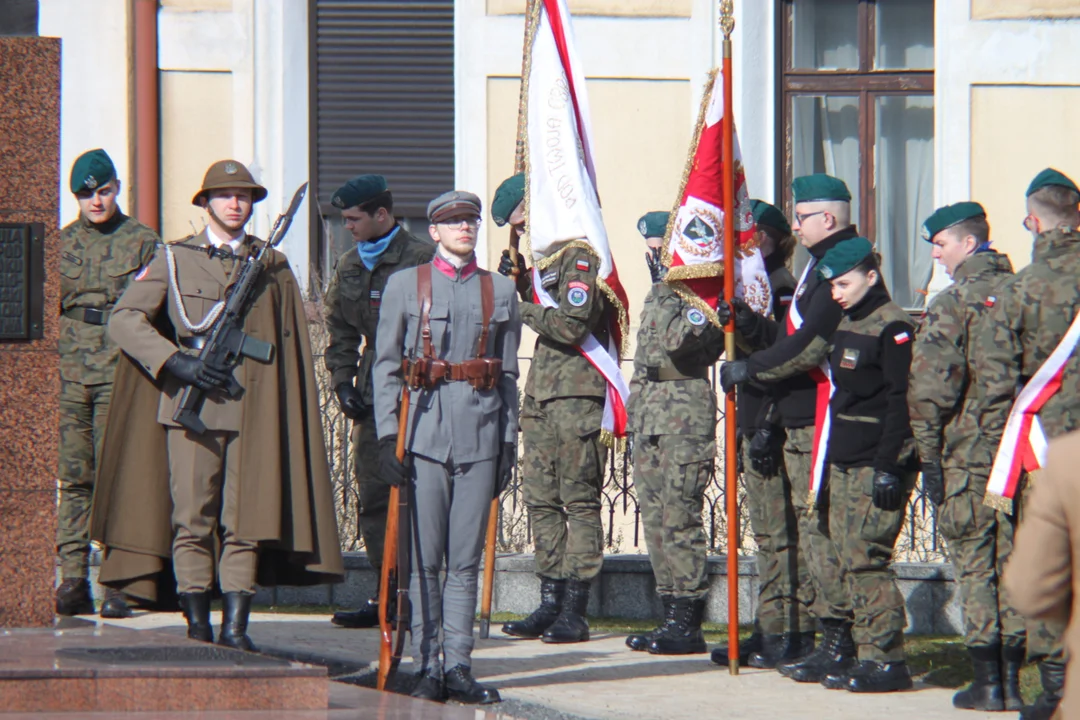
86, 668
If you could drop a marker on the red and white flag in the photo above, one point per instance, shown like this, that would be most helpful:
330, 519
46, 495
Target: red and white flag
562, 204
694, 246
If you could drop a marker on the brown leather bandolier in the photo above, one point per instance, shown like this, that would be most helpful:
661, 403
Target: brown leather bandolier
427, 371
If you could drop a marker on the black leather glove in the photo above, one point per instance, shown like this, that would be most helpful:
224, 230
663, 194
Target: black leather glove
522, 279
351, 401
505, 467
745, 317
193, 371
762, 451
723, 312
391, 470
887, 495
657, 271
933, 482
732, 373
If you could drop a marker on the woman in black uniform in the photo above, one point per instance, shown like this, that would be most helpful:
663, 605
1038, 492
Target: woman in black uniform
871, 456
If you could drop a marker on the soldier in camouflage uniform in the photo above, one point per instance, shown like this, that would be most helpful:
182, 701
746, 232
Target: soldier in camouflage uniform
1029, 319
943, 400
872, 462
672, 415
787, 358
100, 253
352, 315
563, 464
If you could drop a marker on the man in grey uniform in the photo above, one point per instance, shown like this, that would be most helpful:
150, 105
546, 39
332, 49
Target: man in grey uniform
451, 331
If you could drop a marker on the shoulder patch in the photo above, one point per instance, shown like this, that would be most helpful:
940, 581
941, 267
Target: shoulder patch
73, 258
583, 265
577, 293
549, 279
142, 272
695, 316
990, 301
901, 338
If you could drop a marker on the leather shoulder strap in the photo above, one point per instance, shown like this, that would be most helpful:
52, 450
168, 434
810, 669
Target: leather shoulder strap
487, 307
423, 292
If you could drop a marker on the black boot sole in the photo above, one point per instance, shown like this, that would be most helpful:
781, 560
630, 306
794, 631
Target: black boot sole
687, 650
84, 609
490, 698
116, 611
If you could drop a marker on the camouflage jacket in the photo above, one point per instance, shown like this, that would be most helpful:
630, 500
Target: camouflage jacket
674, 338
1030, 315
352, 308
944, 391
870, 359
97, 262
558, 369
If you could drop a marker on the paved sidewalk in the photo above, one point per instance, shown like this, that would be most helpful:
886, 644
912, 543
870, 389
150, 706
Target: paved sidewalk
598, 680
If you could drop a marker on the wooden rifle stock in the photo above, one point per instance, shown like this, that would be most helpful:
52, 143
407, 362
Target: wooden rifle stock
389, 650
489, 569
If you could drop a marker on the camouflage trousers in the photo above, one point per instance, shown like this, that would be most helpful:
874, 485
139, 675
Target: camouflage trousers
781, 565
826, 594
1044, 638
373, 493
562, 471
979, 540
670, 475
864, 537
84, 410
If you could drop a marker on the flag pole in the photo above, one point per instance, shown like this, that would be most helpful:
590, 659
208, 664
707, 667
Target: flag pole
731, 462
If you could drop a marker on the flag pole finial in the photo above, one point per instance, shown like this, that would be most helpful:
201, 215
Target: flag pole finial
727, 17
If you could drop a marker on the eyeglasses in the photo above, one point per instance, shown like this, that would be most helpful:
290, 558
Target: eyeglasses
473, 222
802, 218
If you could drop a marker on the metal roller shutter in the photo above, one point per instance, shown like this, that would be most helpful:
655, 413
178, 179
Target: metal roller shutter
383, 97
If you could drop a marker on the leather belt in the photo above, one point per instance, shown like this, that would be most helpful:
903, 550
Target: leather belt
669, 374
88, 315
193, 342
481, 373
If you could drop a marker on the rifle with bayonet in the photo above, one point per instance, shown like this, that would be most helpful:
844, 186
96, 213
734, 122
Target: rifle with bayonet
226, 343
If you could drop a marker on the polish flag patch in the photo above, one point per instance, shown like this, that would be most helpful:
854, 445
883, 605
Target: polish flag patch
902, 338
583, 265
990, 301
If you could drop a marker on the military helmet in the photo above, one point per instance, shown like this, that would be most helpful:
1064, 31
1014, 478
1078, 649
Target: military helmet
229, 174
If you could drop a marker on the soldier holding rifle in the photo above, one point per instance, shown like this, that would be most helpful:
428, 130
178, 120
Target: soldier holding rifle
450, 331
231, 482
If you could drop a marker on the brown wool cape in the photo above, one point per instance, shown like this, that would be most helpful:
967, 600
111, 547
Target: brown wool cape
285, 499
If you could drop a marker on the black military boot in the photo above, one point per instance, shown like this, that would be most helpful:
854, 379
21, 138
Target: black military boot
571, 626
835, 654
74, 597
985, 691
1052, 674
462, 687
196, 607
551, 600
879, 677
366, 616
753, 644
683, 636
429, 687
235, 609
781, 648
1012, 659
640, 641
115, 606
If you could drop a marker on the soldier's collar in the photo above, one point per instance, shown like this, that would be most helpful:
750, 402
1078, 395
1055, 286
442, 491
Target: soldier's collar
106, 227
1053, 242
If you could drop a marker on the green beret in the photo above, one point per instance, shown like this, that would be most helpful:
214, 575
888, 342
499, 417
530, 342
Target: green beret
454, 202
358, 191
843, 256
507, 197
653, 224
946, 217
770, 216
91, 170
1050, 176
819, 187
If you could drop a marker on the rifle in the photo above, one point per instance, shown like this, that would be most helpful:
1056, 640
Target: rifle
489, 569
227, 344
395, 565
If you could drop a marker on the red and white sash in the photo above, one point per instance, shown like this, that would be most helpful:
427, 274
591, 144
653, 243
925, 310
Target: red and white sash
1023, 445
605, 360
822, 376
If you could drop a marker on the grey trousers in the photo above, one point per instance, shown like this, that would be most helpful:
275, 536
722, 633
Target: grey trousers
449, 518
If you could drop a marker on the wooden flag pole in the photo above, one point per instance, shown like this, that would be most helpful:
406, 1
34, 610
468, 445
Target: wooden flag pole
731, 461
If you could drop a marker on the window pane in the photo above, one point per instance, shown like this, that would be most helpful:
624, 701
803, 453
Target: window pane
825, 139
825, 34
905, 35
904, 181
